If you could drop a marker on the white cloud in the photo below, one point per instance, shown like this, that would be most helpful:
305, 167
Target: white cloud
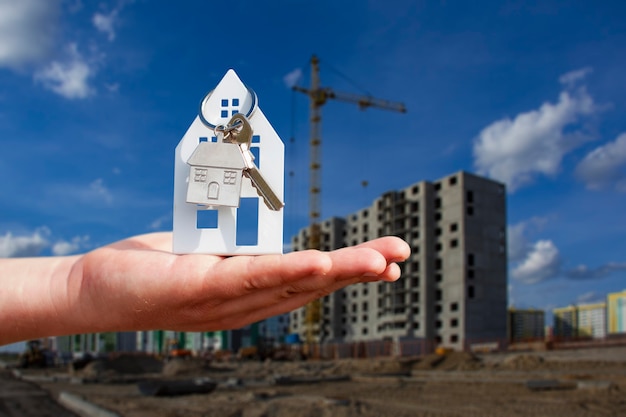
99, 191
584, 272
27, 245
70, 77
63, 247
515, 150
293, 77
510, 290
517, 242
590, 297
112, 88
31, 42
159, 223
27, 31
539, 261
95, 193
23, 246
542, 262
74, 6
605, 165
572, 77
105, 23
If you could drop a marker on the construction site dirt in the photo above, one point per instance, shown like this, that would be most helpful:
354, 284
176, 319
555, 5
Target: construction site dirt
573, 383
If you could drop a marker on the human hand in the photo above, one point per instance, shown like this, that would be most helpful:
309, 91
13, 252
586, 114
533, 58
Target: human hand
137, 284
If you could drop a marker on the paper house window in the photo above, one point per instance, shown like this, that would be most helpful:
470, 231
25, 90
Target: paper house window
229, 110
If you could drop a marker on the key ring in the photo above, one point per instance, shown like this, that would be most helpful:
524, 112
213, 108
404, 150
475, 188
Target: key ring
230, 132
209, 117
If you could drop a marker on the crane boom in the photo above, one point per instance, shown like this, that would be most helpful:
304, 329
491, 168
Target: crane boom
365, 101
318, 96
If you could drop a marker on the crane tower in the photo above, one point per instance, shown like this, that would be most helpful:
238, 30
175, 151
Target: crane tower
318, 96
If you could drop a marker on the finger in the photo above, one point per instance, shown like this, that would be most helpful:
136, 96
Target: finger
259, 293
268, 303
257, 306
392, 248
358, 261
392, 273
242, 275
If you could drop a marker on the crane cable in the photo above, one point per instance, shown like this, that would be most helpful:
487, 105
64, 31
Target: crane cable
365, 160
295, 205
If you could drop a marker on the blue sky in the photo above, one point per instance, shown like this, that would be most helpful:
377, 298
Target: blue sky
94, 97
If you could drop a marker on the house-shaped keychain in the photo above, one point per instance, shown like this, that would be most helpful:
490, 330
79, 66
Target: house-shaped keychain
216, 209
216, 174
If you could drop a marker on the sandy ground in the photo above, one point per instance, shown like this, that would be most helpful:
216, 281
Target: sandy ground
23, 398
576, 383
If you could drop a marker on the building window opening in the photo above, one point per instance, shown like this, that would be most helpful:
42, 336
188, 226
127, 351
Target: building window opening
470, 291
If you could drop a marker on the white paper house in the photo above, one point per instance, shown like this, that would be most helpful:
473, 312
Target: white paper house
221, 235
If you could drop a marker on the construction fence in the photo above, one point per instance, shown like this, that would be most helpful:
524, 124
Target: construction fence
371, 349
421, 347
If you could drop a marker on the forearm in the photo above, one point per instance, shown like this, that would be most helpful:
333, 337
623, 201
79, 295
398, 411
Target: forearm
34, 299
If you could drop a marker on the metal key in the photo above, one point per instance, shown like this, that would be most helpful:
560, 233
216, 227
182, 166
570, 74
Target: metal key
239, 131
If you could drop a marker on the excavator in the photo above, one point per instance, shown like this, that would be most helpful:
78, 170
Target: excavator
34, 356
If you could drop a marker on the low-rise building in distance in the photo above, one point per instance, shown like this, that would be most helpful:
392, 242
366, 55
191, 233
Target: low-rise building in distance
616, 313
525, 325
580, 321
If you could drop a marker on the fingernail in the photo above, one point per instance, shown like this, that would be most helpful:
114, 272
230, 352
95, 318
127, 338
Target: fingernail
394, 260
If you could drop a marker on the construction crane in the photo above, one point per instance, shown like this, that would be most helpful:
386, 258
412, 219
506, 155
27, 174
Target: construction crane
318, 96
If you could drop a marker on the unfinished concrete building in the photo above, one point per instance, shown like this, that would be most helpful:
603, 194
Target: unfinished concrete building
453, 290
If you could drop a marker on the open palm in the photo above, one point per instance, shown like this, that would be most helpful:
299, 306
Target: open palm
138, 284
